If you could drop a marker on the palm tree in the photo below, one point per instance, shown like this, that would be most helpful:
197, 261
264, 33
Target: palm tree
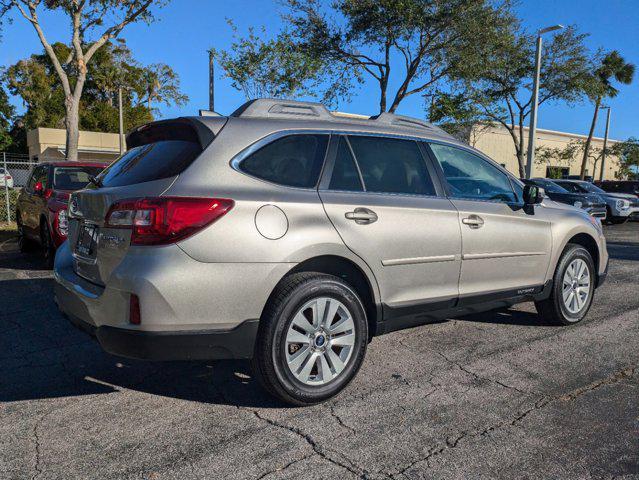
612, 66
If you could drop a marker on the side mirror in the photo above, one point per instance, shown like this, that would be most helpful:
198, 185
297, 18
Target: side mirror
38, 189
533, 194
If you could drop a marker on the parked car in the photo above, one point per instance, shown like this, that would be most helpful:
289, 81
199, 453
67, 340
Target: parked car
594, 204
290, 235
620, 186
5, 178
41, 208
619, 206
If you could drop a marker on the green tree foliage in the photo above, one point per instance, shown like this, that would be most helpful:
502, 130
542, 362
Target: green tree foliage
278, 67
497, 87
607, 68
34, 81
93, 23
628, 154
572, 152
419, 42
6, 117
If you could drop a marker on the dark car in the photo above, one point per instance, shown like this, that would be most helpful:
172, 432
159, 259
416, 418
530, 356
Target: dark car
620, 186
620, 206
41, 209
592, 203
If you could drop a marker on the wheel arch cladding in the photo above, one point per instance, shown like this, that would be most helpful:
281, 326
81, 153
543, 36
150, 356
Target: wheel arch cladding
589, 244
352, 274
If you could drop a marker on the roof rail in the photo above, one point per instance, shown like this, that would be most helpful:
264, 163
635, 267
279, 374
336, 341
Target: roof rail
404, 121
294, 109
274, 108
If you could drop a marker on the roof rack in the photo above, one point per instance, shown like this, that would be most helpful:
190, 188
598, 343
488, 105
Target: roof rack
295, 109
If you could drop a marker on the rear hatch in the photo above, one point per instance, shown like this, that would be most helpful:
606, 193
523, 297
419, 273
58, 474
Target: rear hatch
157, 153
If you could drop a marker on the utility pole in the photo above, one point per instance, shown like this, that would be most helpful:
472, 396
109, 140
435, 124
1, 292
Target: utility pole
603, 154
211, 81
6, 185
122, 140
532, 130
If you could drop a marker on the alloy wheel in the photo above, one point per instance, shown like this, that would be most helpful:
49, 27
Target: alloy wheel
576, 286
320, 341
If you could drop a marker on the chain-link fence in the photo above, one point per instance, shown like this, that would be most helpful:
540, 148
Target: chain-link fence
14, 174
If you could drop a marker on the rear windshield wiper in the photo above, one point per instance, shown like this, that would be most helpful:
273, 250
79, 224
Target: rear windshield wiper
95, 181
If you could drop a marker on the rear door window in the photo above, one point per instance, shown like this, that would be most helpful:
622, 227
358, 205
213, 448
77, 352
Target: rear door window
390, 165
294, 160
345, 176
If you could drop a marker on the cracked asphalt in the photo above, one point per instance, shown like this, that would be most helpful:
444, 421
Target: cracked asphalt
496, 395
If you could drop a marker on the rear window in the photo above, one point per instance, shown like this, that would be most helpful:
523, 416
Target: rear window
153, 161
73, 178
294, 160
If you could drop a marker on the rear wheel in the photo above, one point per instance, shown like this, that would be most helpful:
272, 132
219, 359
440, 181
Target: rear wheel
573, 288
312, 339
46, 244
24, 244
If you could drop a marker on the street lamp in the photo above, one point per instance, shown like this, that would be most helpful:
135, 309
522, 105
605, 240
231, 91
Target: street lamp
605, 145
532, 130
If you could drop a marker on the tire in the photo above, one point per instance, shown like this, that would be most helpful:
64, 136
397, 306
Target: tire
281, 365
575, 307
24, 244
46, 245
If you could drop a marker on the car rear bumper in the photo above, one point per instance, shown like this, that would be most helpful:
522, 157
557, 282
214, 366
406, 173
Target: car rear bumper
236, 343
189, 310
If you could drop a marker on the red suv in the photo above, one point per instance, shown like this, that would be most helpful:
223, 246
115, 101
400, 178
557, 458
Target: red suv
41, 209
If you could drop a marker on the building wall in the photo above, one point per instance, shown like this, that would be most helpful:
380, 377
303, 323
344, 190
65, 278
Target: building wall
496, 142
50, 143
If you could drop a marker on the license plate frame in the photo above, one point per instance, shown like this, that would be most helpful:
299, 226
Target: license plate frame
87, 240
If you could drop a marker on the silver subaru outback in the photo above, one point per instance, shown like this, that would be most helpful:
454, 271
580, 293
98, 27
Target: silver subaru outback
290, 235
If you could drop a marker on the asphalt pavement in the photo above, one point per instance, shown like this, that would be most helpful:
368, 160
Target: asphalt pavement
493, 395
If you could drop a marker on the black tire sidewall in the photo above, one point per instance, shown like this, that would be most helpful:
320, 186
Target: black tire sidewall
326, 287
572, 254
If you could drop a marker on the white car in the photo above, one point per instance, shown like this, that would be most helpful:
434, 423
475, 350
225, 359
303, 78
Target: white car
5, 178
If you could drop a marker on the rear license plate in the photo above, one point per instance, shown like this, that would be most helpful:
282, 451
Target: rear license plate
87, 240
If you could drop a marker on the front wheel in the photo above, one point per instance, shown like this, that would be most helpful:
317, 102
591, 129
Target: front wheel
573, 288
312, 339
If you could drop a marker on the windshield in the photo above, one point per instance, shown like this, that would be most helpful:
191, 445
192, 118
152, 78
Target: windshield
549, 186
574, 187
591, 188
73, 178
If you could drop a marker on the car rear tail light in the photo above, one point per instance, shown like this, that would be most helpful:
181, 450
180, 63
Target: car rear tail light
47, 193
62, 223
134, 310
165, 220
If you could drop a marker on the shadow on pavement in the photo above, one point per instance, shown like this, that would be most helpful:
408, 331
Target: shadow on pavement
507, 317
43, 356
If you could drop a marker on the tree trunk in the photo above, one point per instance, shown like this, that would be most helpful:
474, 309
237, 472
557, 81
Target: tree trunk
584, 160
72, 121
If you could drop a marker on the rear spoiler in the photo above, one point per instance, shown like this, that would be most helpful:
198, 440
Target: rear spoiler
201, 130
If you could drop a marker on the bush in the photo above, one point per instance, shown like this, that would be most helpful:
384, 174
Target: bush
13, 198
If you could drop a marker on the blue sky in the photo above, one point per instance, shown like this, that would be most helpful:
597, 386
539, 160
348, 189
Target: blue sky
187, 28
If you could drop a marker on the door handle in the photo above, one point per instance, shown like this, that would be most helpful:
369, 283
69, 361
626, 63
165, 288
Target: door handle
473, 221
362, 216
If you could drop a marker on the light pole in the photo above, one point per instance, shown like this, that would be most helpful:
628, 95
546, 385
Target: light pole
122, 141
211, 81
532, 130
603, 154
